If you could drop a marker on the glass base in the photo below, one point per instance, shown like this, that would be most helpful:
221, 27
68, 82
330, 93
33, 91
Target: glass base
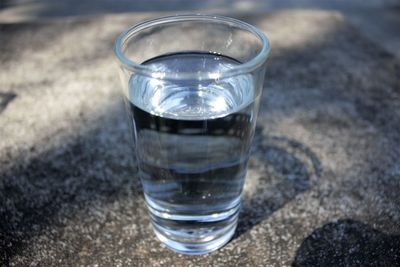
194, 235
197, 248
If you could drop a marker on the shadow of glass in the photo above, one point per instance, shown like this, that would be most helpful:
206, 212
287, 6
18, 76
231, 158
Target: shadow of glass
348, 243
289, 168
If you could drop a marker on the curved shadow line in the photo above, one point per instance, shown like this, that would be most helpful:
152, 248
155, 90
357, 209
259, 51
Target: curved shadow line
295, 169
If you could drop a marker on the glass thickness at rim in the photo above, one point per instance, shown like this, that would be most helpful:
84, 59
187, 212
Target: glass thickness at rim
245, 67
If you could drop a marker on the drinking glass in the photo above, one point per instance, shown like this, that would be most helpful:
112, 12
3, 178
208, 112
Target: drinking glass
192, 86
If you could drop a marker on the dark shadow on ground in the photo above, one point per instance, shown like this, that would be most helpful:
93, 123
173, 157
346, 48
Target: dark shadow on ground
4, 3
58, 183
5, 99
62, 181
348, 243
23, 37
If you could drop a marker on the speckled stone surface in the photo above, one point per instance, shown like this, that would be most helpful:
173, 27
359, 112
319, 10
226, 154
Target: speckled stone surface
323, 182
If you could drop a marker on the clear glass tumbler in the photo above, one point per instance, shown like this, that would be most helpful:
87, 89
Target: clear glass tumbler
192, 85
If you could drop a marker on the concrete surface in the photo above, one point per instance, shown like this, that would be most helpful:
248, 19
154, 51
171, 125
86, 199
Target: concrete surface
379, 20
323, 182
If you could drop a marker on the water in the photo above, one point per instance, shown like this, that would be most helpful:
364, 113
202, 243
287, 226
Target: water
192, 144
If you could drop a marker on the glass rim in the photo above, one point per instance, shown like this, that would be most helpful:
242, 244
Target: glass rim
248, 66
